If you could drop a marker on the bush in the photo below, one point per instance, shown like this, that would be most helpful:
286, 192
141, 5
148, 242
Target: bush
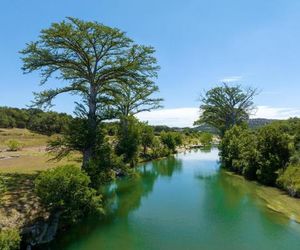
14, 145
66, 189
10, 239
206, 138
158, 150
229, 148
171, 140
289, 180
273, 153
129, 140
105, 165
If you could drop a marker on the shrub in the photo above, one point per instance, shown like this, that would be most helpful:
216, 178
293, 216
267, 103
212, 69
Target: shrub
206, 138
273, 153
105, 165
66, 189
129, 140
158, 150
171, 140
10, 239
14, 145
289, 180
229, 148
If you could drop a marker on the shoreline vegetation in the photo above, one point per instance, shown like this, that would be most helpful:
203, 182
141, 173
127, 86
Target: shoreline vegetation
114, 79
20, 206
272, 198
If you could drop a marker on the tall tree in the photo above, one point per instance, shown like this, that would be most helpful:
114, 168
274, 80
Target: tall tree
225, 106
89, 58
133, 97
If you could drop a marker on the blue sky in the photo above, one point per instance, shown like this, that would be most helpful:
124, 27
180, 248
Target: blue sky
199, 43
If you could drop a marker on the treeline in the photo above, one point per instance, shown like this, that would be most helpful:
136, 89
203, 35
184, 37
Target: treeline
270, 155
36, 120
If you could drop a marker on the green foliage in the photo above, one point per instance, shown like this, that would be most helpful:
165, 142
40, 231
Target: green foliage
47, 123
10, 239
158, 150
289, 180
274, 153
147, 137
206, 138
97, 62
129, 139
103, 168
66, 189
256, 155
230, 148
224, 106
14, 145
171, 140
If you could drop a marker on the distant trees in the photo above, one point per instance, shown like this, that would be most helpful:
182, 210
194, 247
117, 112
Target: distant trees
95, 60
36, 120
147, 137
171, 140
225, 106
256, 154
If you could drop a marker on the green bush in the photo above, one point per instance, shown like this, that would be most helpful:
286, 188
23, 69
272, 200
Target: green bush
171, 140
289, 180
10, 239
206, 138
105, 165
129, 140
158, 150
273, 153
14, 145
229, 148
66, 189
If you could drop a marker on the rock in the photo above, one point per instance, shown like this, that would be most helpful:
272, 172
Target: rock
42, 231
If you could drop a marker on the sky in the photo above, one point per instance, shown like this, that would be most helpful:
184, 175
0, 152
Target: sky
199, 44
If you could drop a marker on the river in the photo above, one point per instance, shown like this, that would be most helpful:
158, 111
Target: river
187, 202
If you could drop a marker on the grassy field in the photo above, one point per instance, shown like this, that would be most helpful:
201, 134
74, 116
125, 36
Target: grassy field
19, 169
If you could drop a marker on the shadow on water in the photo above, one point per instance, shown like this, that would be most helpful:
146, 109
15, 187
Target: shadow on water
122, 198
184, 202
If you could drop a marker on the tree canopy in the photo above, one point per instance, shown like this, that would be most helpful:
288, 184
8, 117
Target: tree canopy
225, 106
93, 61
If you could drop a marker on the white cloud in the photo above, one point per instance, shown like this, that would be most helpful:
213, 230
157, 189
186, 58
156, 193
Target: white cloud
178, 117
276, 113
185, 117
231, 79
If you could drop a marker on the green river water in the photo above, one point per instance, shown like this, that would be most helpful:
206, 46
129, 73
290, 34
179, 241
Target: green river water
188, 202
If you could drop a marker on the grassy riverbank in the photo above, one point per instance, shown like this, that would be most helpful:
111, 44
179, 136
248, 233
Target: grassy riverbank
270, 197
19, 205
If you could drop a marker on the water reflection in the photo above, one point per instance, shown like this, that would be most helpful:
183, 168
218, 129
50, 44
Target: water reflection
126, 195
183, 202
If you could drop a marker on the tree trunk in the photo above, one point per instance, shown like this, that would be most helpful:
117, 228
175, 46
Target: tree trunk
89, 151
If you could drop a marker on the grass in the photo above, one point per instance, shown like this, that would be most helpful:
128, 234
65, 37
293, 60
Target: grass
24, 136
19, 205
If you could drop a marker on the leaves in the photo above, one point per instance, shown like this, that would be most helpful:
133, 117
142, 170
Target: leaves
225, 106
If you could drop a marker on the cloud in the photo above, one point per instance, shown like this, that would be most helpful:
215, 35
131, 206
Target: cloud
185, 117
231, 79
276, 113
178, 117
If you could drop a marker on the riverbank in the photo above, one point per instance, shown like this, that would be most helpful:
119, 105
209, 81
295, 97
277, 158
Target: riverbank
272, 198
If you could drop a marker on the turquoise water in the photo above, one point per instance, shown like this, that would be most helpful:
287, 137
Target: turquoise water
184, 202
